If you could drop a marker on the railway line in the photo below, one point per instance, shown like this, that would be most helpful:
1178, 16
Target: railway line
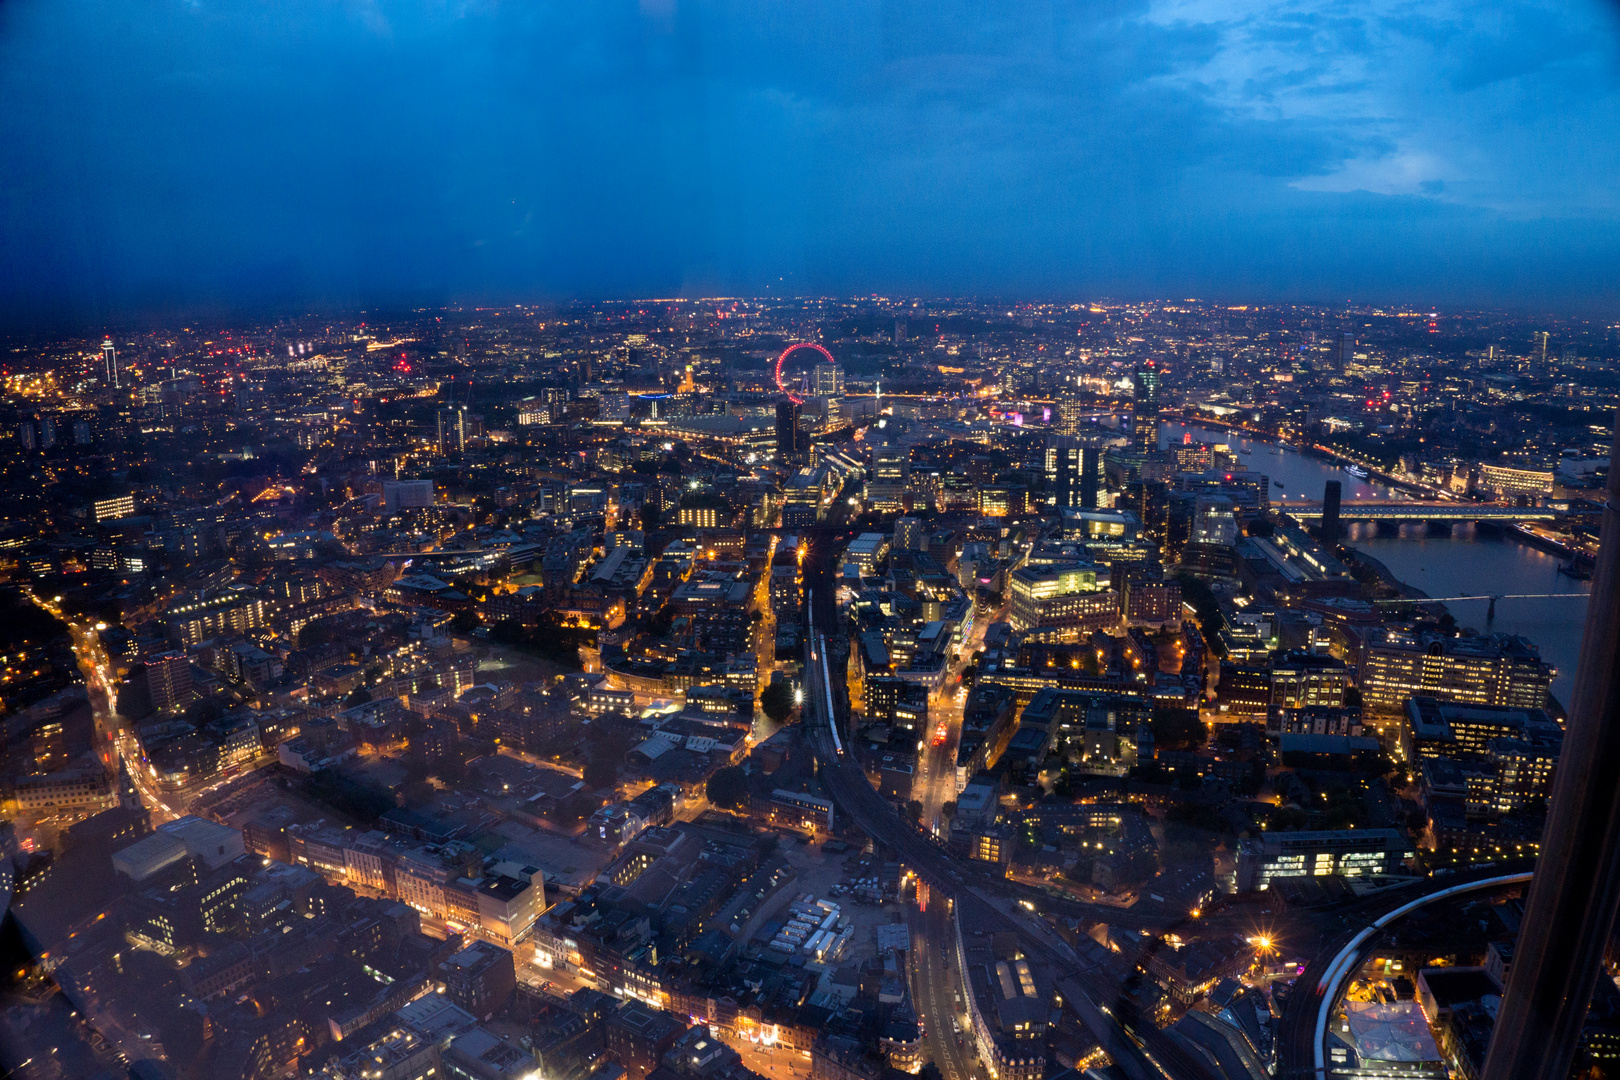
1141, 1050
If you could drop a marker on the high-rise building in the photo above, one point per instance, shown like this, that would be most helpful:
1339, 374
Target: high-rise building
1447, 729
804, 497
789, 448
1541, 339
1074, 471
899, 331
909, 534
1332, 492
1344, 351
828, 380
1569, 913
109, 360
1145, 406
452, 430
891, 471
1003, 500
1069, 410
891, 464
1304, 680
168, 680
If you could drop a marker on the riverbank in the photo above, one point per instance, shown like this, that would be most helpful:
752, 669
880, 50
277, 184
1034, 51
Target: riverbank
1526, 534
1406, 590
1419, 561
1312, 450
1434, 608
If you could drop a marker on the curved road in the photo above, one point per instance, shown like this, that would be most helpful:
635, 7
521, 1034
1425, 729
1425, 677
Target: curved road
1316, 990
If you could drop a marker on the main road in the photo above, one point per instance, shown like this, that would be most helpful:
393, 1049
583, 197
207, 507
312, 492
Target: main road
114, 744
935, 783
934, 984
1146, 1053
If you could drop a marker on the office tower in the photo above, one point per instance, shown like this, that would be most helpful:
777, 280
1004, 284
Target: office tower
909, 535
891, 471
1505, 671
168, 680
109, 360
1344, 351
1303, 680
1145, 406
1060, 602
1541, 349
828, 380
803, 501
1069, 412
119, 506
1073, 471
899, 331
1331, 493
788, 448
1569, 913
891, 464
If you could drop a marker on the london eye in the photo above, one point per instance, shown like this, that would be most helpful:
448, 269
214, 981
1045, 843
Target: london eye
780, 385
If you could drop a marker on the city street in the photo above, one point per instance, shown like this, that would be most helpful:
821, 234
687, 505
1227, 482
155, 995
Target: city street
935, 783
113, 742
936, 987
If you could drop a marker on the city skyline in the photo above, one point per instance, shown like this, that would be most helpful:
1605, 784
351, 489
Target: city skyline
222, 160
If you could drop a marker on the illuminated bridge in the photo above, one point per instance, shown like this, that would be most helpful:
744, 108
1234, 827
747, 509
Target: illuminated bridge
1409, 510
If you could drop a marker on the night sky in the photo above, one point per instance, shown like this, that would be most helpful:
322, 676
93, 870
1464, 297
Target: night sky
162, 156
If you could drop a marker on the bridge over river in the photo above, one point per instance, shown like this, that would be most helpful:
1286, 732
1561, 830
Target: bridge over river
1412, 510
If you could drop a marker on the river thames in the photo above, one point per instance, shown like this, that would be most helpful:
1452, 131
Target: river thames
1460, 560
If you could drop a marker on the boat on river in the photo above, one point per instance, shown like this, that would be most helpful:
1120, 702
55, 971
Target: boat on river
1356, 471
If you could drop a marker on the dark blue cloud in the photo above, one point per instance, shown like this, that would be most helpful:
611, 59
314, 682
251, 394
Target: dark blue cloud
168, 155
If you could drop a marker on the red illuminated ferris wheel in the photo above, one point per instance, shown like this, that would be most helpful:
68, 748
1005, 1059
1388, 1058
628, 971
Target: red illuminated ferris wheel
797, 400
